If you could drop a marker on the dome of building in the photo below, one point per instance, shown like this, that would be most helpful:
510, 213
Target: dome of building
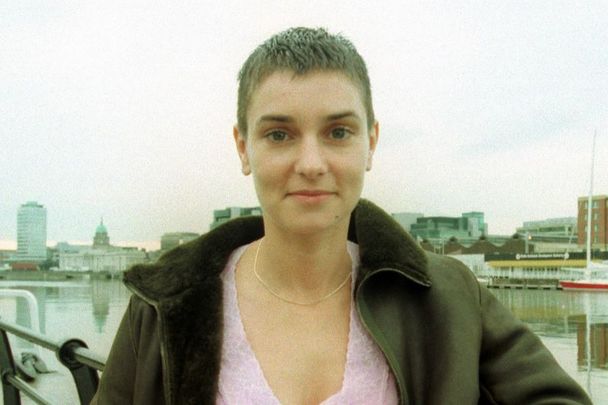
101, 228
101, 238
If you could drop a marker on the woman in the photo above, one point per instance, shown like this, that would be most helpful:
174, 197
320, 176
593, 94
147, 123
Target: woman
325, 299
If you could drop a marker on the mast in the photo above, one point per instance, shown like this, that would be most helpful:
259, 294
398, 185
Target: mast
590, 208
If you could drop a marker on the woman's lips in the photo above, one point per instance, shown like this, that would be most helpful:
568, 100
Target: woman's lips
311, 196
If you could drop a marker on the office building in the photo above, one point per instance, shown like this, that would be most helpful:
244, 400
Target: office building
5, 257
31, 233
468, 227
225, 215
551, 234
559, 229
171, 240
406, 219
599, 221
478, 221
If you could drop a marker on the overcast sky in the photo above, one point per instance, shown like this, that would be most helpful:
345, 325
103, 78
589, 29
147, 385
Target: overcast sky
125, 109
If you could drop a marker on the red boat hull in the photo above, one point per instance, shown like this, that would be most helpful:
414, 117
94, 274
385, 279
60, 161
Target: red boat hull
584, 285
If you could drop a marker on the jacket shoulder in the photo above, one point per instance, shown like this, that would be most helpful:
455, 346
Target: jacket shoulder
445, 272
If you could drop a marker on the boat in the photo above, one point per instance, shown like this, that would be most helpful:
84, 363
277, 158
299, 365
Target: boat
595, 278
594, 275
584, 285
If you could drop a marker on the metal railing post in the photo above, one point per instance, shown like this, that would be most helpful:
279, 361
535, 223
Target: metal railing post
85, 377
72, 353
10, 393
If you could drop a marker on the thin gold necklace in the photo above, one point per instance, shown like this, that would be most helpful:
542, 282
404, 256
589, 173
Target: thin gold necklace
276, 294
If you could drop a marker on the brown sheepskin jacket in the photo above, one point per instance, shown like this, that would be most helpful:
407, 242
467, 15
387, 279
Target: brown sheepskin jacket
447, 340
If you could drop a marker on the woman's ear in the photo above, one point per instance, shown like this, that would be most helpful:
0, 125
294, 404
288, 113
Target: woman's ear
241, 148
374, 132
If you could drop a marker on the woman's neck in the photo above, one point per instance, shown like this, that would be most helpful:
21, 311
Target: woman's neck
302, 267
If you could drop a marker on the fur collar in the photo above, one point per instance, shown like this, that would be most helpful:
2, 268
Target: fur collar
382, 243
185, 288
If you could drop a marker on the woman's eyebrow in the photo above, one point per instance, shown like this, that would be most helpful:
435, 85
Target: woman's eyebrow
341, 115
274, 118
289, 118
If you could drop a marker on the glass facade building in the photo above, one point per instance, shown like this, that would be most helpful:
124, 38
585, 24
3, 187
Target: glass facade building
31, 232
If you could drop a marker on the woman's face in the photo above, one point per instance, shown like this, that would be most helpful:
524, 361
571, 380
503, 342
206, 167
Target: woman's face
308, 148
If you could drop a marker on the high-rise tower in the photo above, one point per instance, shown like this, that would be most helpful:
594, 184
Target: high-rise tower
31, 232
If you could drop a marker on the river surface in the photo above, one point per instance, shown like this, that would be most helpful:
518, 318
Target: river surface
92, 309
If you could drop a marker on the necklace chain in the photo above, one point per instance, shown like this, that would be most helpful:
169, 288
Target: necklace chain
276, 294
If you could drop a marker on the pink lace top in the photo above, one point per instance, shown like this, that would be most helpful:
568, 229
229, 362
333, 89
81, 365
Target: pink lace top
367, 377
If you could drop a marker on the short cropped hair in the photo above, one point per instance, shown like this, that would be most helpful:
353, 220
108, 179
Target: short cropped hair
302, 50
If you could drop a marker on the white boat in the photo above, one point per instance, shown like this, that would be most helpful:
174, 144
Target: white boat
595, 275
595, 278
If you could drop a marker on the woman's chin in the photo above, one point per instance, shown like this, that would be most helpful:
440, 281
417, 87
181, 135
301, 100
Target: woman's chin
310, 225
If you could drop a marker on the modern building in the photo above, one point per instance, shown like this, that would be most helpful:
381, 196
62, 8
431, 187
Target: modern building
225, 215
478, 219
467, 228
556, 229
599, 221
5, 256
171, 240
551, 234
31, 233
406, 219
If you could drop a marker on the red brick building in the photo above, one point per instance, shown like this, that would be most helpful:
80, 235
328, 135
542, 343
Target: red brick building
599, 221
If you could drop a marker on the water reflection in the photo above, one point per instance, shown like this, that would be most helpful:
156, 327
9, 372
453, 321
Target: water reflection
554, 313
87, 309
100, 297
92, 309
574, 325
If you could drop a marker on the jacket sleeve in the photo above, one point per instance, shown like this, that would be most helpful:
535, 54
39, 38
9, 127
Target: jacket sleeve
132, 373
515, 366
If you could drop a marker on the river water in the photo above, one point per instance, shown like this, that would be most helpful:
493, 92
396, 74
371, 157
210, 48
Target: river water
92, 309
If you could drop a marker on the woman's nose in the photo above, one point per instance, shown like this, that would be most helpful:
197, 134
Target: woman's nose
311, 160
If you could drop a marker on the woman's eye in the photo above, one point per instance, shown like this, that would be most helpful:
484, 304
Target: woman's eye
277, 136
339, 133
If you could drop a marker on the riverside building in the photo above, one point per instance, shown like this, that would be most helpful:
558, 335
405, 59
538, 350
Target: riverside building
101, 256
225, 215
551, 235
31, 236
467, 228
599, 221
172, 240
406, 219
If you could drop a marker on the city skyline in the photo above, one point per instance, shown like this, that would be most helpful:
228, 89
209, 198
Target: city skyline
155, 244
126, 110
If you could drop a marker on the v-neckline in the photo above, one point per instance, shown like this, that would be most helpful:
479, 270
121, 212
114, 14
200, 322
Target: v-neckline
250, 357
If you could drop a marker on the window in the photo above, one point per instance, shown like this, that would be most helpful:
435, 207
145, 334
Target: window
595, 204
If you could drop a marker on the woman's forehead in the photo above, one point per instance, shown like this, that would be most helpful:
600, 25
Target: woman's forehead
326, 93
